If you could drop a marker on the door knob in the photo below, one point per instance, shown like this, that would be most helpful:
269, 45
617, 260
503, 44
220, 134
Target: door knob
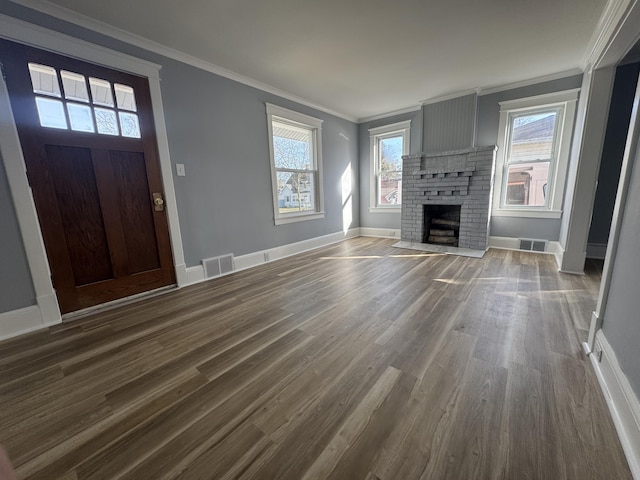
158, 202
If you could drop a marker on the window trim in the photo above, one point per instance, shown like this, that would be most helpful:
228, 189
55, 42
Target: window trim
306, 121
403, 128
567, 100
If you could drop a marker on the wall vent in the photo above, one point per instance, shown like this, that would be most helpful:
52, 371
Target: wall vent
216, 266
533, 245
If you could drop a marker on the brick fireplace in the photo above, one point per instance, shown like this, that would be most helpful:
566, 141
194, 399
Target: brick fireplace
446, 197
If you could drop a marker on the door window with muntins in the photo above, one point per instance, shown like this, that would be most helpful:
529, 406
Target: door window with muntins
83, 104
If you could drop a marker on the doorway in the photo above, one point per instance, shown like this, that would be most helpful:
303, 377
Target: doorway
88, 139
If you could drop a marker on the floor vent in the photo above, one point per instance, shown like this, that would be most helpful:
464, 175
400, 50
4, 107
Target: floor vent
216, 266
532, 245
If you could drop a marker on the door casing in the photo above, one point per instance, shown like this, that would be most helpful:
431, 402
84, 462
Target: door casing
48, 312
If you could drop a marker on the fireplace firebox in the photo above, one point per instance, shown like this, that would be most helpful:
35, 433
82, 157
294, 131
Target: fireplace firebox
441, 225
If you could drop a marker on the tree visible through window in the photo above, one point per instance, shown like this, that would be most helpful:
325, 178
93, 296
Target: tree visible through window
293, 158
390, 171
295, 163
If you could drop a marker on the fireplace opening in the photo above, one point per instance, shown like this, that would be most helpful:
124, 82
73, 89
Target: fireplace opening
441, 225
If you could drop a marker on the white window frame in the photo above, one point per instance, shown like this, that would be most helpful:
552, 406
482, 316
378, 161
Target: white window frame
315, 125
565, 101
375, 134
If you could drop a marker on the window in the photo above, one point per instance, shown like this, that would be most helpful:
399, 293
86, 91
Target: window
72, 106
387, 145
296, 165
533, 152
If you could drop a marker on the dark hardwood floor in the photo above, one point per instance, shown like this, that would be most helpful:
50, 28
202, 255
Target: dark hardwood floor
355, 361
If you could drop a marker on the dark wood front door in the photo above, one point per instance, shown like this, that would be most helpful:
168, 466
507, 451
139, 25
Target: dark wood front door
90, 149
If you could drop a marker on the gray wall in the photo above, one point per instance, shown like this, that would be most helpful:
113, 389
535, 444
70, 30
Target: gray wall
521, 227
382, 220
16, 288
450, 124
615, 139
218, 129
620, 324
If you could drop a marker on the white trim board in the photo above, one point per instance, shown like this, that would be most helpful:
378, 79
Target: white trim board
622, 402
19, 322
380, 232
393, 113
613, 14
511, 243
195, 274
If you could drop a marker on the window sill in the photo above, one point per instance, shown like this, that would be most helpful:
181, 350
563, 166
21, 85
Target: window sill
522, 213
298, 218
385, 209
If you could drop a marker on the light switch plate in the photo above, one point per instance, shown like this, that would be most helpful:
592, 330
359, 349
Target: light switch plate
180, 169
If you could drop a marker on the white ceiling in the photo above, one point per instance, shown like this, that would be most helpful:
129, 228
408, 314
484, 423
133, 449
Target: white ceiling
364, 57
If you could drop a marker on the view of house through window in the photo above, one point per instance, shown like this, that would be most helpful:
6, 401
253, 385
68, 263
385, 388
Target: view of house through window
530, 158
296, 160
388, 144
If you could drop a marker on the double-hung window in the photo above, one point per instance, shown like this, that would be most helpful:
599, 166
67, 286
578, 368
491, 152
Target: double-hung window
387, 146
533, 152
295, 147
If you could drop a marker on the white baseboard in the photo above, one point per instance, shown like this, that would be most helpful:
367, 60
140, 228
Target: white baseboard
195, 274
249, 260
380, 232
507, 243
512, 243
182, 276
558, 252
21, 321
596, 250
621, 399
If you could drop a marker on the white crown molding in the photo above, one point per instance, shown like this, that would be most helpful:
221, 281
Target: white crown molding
114, 32
393, 127
414, 108
531, 81
449, 96
607, 26
40, 37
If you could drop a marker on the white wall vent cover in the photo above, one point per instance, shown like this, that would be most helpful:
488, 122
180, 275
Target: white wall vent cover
533, 245
216, 266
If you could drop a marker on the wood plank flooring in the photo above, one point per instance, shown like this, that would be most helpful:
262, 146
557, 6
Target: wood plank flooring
355, 361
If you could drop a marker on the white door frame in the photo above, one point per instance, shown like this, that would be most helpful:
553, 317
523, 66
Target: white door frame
623, 35
24, 32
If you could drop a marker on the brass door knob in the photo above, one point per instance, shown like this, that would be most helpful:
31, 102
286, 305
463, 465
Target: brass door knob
158, 202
